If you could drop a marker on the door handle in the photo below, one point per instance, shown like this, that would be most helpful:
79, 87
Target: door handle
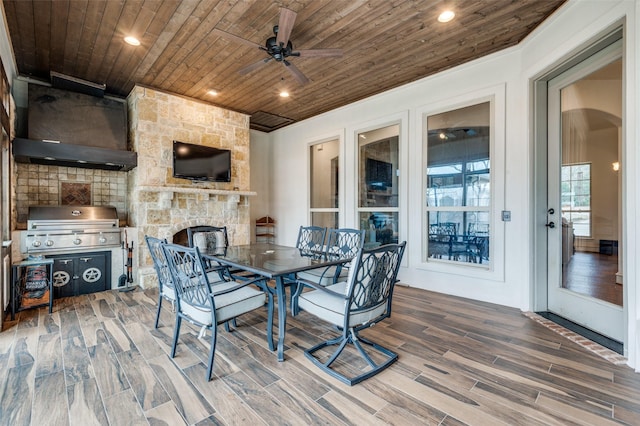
550, 225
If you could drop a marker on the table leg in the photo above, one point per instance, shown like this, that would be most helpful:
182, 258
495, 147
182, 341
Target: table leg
50, 288
282, 315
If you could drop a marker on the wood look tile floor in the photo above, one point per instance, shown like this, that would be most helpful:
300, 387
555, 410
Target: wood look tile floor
97, 360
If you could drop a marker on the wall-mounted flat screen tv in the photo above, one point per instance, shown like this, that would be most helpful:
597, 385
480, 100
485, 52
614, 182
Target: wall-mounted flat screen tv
379, 174
197, 162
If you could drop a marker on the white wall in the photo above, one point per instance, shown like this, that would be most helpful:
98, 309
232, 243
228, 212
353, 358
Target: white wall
290, 158
259, 161
573, 26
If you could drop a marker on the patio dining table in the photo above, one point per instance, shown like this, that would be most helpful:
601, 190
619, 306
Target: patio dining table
275, 262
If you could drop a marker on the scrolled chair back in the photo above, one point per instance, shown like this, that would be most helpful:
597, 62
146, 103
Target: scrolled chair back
159, 261
311, 240
372, 278
189, 276
344, 243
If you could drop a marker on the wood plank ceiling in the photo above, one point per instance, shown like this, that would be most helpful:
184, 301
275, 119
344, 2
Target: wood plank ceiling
385, 44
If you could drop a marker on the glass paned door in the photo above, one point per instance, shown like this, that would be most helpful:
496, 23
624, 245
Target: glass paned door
584, 186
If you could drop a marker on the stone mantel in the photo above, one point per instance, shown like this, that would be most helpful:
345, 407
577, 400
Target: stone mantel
193, 190
167, 193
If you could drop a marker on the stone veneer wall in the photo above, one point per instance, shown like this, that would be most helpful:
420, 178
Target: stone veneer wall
41, 185
160, 205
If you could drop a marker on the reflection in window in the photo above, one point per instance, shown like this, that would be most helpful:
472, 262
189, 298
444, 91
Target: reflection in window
576, 197
458, 185
323, 185
378, 166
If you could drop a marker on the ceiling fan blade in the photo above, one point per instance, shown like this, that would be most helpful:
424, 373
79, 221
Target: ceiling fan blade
295, 72
319, 53
232, 37
254, 66
285, 25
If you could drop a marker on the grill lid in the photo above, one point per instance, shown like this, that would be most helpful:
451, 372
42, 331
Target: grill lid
72, 217
73, 213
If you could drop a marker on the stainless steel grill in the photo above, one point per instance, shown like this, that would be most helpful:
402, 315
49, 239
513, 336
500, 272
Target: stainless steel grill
64, 228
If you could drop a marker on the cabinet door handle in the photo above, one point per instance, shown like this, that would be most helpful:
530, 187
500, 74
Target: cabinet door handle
65, 261
86, 259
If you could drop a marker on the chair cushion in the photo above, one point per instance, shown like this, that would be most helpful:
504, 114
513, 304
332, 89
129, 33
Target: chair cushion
323, 276
238, 302
228, 305
331, 308
209, 241
168, 292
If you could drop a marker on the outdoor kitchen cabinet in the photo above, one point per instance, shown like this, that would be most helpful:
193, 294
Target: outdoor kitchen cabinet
81, 273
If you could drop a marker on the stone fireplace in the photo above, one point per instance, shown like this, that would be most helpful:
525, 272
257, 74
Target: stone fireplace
161, 205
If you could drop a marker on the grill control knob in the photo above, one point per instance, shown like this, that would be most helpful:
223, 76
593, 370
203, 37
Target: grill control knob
102, 239
77, 241
36, 244
48, 243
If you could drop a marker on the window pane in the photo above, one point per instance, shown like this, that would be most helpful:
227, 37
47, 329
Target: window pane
459, 236
458, 175
581, 223
378, 166
576, 197
459, 154
324, 174
325, 219
382, 228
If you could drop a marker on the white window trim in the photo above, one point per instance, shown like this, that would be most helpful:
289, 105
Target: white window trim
496, 95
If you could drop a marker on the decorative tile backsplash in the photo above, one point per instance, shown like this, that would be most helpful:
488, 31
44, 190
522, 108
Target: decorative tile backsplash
54, 185
75, 194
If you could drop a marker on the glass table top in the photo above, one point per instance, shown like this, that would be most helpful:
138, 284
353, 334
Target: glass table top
268, 259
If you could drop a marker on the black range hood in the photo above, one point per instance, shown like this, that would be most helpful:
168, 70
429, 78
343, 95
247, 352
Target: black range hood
71, 155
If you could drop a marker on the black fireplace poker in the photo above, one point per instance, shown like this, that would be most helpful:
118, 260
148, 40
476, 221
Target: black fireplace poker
126, 281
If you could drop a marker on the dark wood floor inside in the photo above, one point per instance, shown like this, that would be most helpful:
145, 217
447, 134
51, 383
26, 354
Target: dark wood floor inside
97, 360
593, 274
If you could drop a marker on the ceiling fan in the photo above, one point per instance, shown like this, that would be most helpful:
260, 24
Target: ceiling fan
279, 47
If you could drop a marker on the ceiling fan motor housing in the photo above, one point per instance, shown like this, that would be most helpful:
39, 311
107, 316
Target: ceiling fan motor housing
279, 53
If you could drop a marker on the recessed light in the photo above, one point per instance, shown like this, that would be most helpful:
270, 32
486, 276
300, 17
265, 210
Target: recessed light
284, 94
213, 92
132, 41
446, 16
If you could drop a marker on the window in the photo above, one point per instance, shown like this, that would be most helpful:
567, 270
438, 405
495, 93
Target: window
576, 197
378, 174
458, 185
323, 184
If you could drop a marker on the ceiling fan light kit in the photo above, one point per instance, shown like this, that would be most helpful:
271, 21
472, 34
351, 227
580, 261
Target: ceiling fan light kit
279, 47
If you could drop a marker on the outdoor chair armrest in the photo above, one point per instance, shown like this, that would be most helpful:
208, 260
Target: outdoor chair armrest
321, 288
260, 281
